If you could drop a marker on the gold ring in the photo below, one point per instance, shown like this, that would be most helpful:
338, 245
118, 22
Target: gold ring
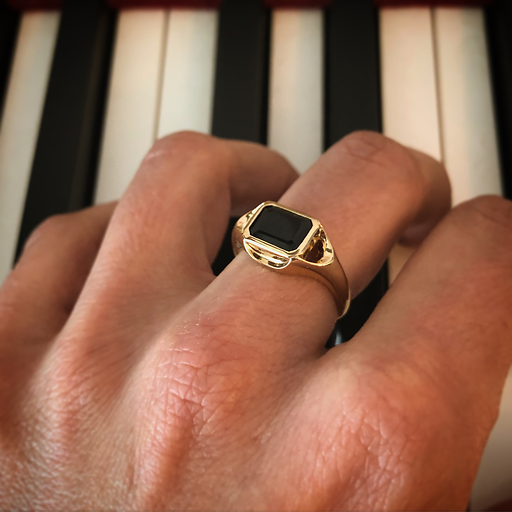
291, 242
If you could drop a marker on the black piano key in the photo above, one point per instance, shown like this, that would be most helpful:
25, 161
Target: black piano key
241, 83
9, 21
353, 70
499, 36
352, 102
63, 171
240, 100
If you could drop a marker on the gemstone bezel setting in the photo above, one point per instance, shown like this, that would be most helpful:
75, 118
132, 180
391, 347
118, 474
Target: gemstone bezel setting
302, 249
271, 254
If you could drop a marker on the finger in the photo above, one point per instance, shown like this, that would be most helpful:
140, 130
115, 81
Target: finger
450, 310
41, 291
368, 192
169, 225
162, 238
380, 193
442, 335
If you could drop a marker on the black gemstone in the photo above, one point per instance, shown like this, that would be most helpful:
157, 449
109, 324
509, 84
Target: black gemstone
281, 228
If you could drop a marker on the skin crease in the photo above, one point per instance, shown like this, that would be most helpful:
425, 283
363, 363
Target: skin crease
134, 379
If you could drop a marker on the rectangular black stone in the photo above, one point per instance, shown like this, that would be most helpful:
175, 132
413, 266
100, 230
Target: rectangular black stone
280, 227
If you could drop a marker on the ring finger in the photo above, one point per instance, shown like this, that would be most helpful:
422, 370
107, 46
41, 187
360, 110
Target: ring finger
369, 193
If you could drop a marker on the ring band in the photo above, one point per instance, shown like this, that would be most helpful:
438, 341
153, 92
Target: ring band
291, 242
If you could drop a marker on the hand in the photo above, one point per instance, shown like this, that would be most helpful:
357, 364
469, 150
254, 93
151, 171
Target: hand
132, 378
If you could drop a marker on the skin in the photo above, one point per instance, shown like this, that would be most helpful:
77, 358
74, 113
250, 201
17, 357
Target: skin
134, 379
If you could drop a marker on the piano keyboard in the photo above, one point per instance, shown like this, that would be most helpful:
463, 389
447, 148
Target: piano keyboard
90, 90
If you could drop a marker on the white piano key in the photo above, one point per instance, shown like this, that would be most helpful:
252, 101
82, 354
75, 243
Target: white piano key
133, 101
467, 117
296, 85
409, 91
20, 124
471, 158
188, 83
409, 96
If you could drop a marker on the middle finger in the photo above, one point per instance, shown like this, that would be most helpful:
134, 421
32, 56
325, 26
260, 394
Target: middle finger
169, 225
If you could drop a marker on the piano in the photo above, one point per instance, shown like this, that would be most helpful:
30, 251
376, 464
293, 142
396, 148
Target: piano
86, 87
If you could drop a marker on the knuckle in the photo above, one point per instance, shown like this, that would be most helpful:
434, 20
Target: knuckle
413, 387
483, 227
364, 144
189, 146
407, 392
185, 140
54, 225
59, 412
206, 370
79, 375
64, 386
187, 158
404, 414
493, 214
73, 396
51, 228
383, 160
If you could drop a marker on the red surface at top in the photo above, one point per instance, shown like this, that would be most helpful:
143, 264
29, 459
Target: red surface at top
126, 4
275, 4
123, 4
213, 3
35, 4
119, 4
453, 3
